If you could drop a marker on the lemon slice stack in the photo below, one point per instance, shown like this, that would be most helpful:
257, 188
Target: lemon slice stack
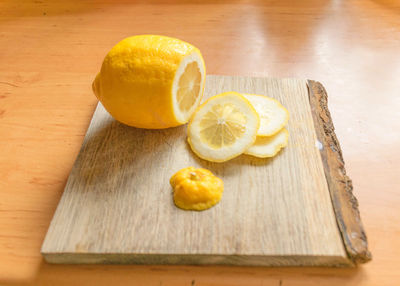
230, 124
271, 136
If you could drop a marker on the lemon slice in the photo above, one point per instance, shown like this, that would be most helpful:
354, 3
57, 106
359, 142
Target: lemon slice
273, 116
265, 147
151, 81
223, 127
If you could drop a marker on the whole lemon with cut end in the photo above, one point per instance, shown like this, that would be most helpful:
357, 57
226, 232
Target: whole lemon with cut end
150, 81
196, 189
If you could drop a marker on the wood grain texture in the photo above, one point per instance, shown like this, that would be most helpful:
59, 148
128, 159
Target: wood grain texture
340, 186
117, 205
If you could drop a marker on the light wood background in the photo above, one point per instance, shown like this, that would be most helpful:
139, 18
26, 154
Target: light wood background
274, 211
50, 52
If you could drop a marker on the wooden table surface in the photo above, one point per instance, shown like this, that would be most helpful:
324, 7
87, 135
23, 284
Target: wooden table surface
51, 51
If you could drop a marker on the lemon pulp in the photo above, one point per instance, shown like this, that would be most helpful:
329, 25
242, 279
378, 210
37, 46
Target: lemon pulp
189, 87
222, 125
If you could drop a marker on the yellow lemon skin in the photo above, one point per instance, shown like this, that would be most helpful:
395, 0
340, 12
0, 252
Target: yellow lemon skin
196, 189
136, 80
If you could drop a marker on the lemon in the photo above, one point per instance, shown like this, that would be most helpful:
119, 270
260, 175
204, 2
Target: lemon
151, 81
273, 116
196, 189
223, 127
265, 147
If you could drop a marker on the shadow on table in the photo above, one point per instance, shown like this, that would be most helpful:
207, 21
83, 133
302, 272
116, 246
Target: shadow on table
51, 274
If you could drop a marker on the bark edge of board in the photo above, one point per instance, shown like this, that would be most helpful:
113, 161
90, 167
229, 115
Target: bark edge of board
344, 202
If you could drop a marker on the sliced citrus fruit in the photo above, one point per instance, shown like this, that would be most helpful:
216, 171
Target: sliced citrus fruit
223, 127
273, 116
151, 81
265, 147
196, 189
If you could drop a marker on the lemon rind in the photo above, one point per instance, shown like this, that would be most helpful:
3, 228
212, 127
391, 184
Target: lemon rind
277, 148
280, 106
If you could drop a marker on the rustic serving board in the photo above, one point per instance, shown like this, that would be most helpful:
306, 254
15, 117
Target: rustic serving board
294, 209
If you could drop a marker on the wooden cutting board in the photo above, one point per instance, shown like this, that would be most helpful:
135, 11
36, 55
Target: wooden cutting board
294, 209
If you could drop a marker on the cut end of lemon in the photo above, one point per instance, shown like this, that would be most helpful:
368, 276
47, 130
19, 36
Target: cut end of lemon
265, 147
223, 127
196, 189
188, 86
273, 116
